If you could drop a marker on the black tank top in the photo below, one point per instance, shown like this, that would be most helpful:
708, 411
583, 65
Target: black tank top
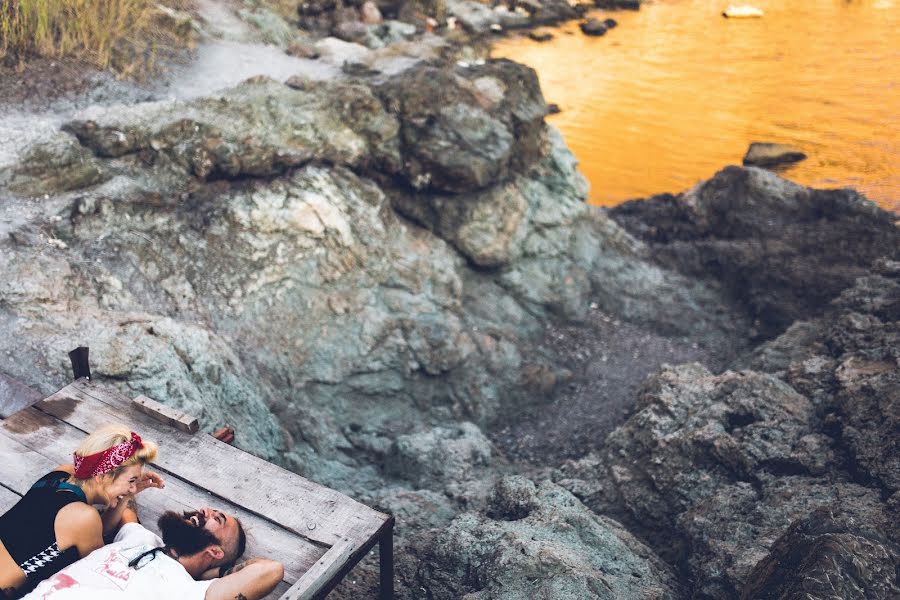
28, 533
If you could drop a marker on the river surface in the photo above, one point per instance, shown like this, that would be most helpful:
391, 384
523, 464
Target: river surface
676, 92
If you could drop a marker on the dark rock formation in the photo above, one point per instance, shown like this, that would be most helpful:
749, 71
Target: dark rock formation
465, 130
711, 469
829, 556
762, 154
781, 250
618, 4
594, 27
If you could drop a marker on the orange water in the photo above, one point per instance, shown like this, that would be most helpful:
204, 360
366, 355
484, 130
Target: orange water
676, 92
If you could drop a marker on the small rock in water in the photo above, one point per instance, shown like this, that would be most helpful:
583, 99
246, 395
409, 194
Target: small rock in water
618, 4
766, 154
593, 27
541, 35
610, 23
553, 109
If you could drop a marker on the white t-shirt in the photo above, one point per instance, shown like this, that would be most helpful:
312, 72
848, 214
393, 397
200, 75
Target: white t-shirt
104, 574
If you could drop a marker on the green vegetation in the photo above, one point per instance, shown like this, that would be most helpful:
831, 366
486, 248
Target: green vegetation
124, 35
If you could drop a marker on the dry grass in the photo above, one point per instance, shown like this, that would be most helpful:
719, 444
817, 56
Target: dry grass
124, 35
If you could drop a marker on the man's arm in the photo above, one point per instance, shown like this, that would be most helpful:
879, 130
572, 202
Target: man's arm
124, 512
250, 580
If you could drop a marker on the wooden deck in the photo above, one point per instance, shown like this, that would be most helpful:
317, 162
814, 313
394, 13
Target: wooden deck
317, 533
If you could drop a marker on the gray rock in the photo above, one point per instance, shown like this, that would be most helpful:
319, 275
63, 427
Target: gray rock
440, 456
55, 166
273, 29
557, 549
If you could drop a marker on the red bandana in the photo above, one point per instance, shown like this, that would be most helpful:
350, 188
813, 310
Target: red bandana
108, 460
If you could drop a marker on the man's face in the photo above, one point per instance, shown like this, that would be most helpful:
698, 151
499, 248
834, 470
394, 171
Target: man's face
192, 532
222, 525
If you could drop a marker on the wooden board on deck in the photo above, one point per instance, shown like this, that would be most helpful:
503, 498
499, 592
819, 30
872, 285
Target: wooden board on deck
15, 395
314, 531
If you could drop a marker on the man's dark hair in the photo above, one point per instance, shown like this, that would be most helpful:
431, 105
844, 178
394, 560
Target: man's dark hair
182, 537
241, 542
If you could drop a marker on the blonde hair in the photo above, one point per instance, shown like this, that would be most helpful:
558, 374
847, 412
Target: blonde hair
112, 435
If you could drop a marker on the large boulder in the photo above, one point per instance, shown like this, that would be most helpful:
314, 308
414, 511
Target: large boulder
464, 130
781, 249
828, 555
712, 469
541, 542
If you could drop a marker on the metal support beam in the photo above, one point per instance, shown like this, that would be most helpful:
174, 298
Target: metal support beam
80, 365
386, 562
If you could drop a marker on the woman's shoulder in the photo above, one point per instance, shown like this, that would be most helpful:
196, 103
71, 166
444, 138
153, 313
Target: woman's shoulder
78, 516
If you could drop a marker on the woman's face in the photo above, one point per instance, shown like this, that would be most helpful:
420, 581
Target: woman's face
123, 484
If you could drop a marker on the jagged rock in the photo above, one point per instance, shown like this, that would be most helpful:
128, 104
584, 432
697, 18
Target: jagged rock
713, 488
211, 137
849, 361
464, 130
556, 548
440, 456
478, 18
392, 31
828, 556
57, 165
783, 250
763, 154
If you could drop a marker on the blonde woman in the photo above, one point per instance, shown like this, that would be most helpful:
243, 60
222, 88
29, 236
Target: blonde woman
55, 523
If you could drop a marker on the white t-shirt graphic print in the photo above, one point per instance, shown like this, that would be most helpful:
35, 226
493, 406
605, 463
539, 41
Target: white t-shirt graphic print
104, 574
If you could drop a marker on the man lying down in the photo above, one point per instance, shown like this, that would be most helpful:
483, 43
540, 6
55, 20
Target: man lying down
196, 559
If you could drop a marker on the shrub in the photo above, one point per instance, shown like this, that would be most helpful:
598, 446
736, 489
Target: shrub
124, 35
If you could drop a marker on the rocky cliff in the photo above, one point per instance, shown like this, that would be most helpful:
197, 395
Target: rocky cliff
374, 278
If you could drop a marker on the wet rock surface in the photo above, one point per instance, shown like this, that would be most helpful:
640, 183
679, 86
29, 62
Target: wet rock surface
389, 282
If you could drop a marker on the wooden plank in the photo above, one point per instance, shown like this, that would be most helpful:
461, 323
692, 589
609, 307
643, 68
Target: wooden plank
15, 395
322, 573
8, 499
166, 414
306, 508
33, 443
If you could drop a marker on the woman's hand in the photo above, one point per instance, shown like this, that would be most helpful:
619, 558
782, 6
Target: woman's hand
149, 480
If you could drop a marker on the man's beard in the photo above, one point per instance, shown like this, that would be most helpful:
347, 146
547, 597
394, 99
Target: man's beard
183, 537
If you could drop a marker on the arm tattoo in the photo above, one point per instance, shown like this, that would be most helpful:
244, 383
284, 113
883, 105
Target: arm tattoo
240, 596
132, 504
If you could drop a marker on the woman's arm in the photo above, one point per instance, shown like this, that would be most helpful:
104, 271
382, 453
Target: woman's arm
79, 525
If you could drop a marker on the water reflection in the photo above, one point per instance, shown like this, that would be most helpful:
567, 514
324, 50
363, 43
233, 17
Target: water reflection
677, 92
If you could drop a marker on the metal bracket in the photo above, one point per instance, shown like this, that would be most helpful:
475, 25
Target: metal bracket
80, 365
